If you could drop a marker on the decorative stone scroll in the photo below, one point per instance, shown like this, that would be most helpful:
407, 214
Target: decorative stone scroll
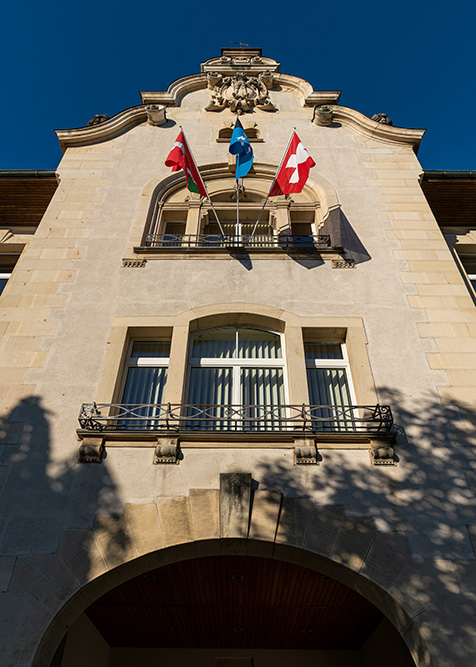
91, 450
167, 451
97, 119
305, 452
240, 93
382, 118
382, 454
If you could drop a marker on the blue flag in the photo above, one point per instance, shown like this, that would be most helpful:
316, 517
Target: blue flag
240, 146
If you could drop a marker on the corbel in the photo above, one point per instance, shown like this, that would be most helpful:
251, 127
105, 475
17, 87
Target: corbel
305, 452
91, 450
166, 451
382, 453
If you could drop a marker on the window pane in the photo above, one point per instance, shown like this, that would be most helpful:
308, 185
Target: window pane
262, 387
3, 282
217, 344
323, 351
261, 229
150, 348
328, 387
254, 344
144, 386
174, 233
209, 387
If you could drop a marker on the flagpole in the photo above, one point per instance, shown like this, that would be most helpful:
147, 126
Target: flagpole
204, 185
274, 181
237, 209
237, 193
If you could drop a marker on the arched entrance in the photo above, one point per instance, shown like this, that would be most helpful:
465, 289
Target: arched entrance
233, 610
218, 575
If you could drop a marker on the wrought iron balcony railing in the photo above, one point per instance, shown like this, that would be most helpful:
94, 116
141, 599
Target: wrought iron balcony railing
236, 418
245, 241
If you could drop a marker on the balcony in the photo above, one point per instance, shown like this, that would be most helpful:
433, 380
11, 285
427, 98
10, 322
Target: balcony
259, 420
234, 243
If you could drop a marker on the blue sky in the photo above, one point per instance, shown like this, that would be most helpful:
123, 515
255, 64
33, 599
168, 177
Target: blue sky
65, 62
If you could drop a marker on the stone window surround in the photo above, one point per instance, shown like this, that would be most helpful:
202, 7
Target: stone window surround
171, 194
278, 214
462, 243
295, 330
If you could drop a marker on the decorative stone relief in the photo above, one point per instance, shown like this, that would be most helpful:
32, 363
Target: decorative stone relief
382, 118
91, 450
156, 114
240, 93
167, 451
382, 454
305, 452
98, 118
133, 263
343, 264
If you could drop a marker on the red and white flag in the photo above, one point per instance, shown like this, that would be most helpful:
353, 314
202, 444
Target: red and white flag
294, 171
180, 157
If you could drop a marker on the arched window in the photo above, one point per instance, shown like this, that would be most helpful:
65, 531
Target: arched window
236, 379
183, 221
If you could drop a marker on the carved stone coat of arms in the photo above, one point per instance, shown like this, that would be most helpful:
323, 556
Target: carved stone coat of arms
240, 93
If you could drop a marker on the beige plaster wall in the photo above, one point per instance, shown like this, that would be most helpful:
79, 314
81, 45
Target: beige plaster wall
69, 291
90, 219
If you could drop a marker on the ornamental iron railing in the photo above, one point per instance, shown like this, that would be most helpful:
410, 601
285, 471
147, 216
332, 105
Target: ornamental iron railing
235, 418
230, 241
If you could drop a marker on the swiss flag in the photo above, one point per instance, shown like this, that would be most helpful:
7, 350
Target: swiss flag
294, 170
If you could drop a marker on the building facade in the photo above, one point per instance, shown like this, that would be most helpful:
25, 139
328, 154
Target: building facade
229, 443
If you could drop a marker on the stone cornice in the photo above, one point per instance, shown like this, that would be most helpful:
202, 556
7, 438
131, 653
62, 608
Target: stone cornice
133, 116
177, 89
309, 96
379, 131
108, 129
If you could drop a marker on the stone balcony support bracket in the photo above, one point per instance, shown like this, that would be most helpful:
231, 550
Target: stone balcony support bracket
305, 452
166, 451
91, 450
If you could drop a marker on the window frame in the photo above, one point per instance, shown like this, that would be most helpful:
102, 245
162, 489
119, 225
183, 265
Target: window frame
4, 275
142, 362
331, 363
237, 363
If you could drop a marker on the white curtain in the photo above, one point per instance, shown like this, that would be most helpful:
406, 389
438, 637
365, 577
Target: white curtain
209, 386
144, 386
328, 386
263, 387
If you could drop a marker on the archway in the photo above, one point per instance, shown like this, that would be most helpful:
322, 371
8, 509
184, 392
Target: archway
233, 610
210, 531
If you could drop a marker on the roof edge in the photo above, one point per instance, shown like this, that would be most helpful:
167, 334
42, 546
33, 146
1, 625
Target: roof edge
27, 173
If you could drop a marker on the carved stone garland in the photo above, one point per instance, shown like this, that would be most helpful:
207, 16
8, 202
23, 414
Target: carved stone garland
240, 93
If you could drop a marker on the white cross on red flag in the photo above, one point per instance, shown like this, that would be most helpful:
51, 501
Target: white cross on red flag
294, 171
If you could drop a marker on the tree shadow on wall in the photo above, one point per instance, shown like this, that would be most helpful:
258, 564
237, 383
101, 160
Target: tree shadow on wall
427, 498
45, 492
